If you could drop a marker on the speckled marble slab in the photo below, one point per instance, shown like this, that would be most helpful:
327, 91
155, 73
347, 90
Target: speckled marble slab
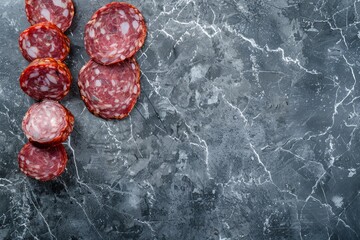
247, 128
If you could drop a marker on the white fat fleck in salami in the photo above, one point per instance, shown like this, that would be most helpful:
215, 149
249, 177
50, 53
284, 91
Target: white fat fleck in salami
135, 24
33, 52
46, 79
44, 88
124, 28
114, 91
47, 123
34, 74
115, 32
66, 13
43, 164
59, 12
60, 3
52, 78
91, 33
98, 83
44, 40
46, 14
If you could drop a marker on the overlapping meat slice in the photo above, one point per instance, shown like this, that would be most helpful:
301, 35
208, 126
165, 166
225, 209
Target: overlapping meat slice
46, 79
43, 164
59, 12
115, 32
110, 91
44, 40
47, 123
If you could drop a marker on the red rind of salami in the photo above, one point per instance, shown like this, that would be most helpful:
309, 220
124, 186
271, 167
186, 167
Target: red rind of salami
110, 92
58, 12
43, 164
115, 32
44, 40
46, 79
47, 123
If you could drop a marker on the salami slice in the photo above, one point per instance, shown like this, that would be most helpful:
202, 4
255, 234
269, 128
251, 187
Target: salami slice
47, 123
46, 79
59, 12
111, 91
115, 32
43, 164
44, 40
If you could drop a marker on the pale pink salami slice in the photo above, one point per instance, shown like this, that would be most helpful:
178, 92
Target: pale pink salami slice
110, 91
115, 32
44, 40
43, 164
46, 79
47, 123
58, 12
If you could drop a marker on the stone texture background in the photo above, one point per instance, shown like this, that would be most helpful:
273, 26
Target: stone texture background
247, 128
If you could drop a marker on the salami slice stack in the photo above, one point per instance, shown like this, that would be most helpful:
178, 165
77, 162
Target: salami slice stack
45, 45
47, 79
110, 83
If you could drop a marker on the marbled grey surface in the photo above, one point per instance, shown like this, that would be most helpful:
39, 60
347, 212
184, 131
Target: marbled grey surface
247, 128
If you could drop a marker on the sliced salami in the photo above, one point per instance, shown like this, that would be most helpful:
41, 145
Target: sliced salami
46, 79
43, 164
44, 40
59, 12
111, 91
115, 32
47, 123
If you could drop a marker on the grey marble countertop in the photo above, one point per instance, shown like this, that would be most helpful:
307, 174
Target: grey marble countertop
247, 127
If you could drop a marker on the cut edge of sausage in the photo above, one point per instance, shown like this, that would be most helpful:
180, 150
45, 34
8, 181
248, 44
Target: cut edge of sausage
49, 64
49, 26
63, 28
33, 171
62, 134
141, 40
133, 102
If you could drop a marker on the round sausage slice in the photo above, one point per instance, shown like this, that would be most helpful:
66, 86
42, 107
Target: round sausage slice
47, 123
43, 164
44, 40
46, 79
110, 91
59, 12
115, 32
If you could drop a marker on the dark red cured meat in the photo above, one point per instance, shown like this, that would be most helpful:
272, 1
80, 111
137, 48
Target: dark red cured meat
111, 91
115, 32
46, 79
43, 164
59, 12
47, 123
44, 40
